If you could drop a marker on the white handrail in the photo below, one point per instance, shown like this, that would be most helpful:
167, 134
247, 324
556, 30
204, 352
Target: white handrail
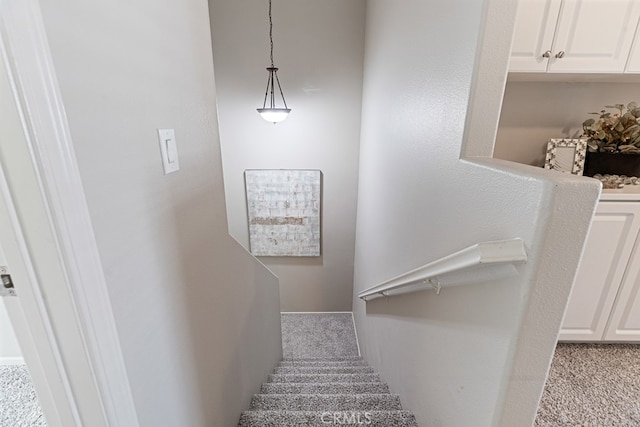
485, 253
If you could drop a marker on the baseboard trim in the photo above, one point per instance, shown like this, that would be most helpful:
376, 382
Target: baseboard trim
316, 312
355, 330
12, 361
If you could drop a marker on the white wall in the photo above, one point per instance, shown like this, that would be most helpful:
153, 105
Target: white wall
9, 349
319, 48
476, 354
534, 112
198, 318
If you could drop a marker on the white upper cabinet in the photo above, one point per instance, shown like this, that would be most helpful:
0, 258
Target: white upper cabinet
595, 36
534, 30
574, 36
633, 65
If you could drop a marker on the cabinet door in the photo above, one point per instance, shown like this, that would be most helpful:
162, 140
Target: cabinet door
533, 35
595, 36
606, 254
633, 64
624, 322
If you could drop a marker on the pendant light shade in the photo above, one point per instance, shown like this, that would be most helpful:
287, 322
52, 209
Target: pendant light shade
274, 115
270, 111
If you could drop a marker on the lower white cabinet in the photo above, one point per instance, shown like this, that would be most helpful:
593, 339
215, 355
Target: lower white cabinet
604, 303
624, 322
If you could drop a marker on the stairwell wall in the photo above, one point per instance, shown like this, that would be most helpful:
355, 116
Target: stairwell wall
319, 48
198, 317
476, 354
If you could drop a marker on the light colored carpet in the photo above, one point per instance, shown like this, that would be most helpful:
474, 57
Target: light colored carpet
323, 381
19, 405
318, 335
592, 385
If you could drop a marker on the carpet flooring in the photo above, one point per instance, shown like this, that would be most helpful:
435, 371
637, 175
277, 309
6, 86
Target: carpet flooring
19, 405
322, 380
318, 335
592, 385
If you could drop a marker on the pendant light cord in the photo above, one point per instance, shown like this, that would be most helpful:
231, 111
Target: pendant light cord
275, 72
271, 33
273, 75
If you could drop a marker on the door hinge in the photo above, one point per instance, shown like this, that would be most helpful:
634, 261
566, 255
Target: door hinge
6, 285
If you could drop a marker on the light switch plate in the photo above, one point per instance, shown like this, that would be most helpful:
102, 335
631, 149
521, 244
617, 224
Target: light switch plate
169, 150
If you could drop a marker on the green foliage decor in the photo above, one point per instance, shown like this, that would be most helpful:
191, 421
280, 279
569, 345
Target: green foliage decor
614, 132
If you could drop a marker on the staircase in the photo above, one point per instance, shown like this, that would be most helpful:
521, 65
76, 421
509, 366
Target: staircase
324, 391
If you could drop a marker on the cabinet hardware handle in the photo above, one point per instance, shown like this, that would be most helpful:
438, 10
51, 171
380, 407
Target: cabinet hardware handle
547, 54
560, 54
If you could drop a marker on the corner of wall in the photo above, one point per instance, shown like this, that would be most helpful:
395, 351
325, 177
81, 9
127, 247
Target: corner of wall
490, 77
549, 290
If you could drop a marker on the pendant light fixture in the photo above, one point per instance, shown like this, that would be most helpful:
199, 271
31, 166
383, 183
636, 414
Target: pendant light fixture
269, 111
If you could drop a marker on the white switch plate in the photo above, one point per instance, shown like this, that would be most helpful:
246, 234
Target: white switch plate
169, 150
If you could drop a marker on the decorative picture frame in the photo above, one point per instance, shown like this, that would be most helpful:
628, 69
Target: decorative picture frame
283, 210
566, 155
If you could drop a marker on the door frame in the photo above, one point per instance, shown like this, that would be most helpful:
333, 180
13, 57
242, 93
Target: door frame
36, 337
29, 65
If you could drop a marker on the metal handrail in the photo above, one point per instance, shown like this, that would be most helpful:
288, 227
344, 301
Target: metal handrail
485, 253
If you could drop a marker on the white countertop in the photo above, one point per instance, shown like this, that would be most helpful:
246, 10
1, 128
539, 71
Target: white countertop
629, 193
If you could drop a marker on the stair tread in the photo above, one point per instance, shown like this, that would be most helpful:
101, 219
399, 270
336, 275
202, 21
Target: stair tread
337, 388
312, 359
300, 388
323, 363
323, 370
323, 378
325, 402
323, 418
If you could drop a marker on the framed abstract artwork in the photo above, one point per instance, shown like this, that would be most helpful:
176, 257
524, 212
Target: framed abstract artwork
283, 210
566, 155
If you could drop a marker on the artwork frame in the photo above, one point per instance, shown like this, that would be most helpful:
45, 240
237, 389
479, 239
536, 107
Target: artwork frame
284, 212
566, 155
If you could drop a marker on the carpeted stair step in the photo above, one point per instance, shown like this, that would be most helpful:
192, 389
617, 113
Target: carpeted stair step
309, 390
325, 402
324, 378
324, 388
323, 370
323, 363
321, 359
323, 419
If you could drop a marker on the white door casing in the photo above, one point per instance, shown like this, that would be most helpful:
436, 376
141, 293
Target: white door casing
30, 319
51, 213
